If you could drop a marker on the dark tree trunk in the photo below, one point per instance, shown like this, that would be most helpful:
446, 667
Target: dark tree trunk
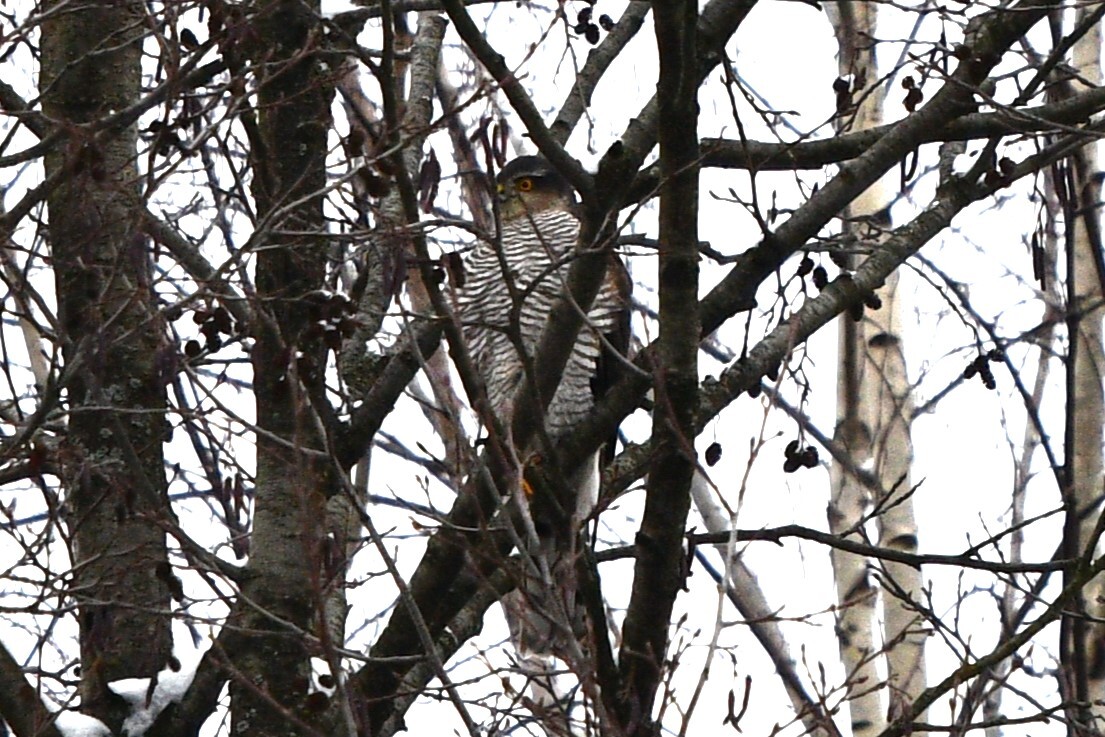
114, 346
660, 569
288, 157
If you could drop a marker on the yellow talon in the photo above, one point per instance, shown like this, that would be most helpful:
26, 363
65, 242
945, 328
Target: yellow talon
533, 461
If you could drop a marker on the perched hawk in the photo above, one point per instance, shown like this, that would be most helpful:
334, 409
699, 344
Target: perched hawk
524, 273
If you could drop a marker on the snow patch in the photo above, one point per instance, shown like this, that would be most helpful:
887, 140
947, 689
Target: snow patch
146, 705
72, 724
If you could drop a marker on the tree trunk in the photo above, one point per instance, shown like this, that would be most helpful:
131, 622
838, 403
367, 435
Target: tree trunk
115, 350
873, 422
885, 394
659, 571
1084, 661
288, 153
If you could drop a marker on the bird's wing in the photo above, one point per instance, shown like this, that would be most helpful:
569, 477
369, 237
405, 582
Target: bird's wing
615, 350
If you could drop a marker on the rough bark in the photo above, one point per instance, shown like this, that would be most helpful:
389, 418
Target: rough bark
113, 473
20, 705
288, 150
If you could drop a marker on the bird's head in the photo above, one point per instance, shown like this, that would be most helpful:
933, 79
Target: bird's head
528, 185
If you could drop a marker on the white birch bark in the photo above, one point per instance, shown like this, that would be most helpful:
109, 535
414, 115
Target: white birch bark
856, 599
1088, 403
874, 410
885, 400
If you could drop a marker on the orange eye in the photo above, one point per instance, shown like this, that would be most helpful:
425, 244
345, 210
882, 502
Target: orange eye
525, 184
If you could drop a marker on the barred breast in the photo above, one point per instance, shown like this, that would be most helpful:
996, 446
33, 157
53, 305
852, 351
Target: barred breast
537, 252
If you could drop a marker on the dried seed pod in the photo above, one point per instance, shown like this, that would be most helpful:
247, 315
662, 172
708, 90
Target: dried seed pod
820, 277
791, 450
809, 457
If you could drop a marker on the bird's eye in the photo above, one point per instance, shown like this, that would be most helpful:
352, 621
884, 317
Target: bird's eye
525, 184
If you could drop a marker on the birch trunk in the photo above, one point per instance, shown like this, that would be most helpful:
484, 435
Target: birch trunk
1087, 661
874, 411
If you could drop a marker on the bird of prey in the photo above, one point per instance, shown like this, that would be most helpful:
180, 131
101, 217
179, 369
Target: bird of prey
512, 284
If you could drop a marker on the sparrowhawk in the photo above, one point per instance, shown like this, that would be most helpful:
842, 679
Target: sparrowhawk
523, 274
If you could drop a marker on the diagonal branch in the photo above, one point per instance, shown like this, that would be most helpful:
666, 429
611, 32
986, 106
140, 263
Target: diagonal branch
846, 290
198, 267
598, 61
20, 705
519, 99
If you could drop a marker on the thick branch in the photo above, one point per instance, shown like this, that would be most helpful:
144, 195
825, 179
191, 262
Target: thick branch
717, 22
20, 705
184, 718
198, 267
951, 101
760, 156
387, 387
831, 302
658, 574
